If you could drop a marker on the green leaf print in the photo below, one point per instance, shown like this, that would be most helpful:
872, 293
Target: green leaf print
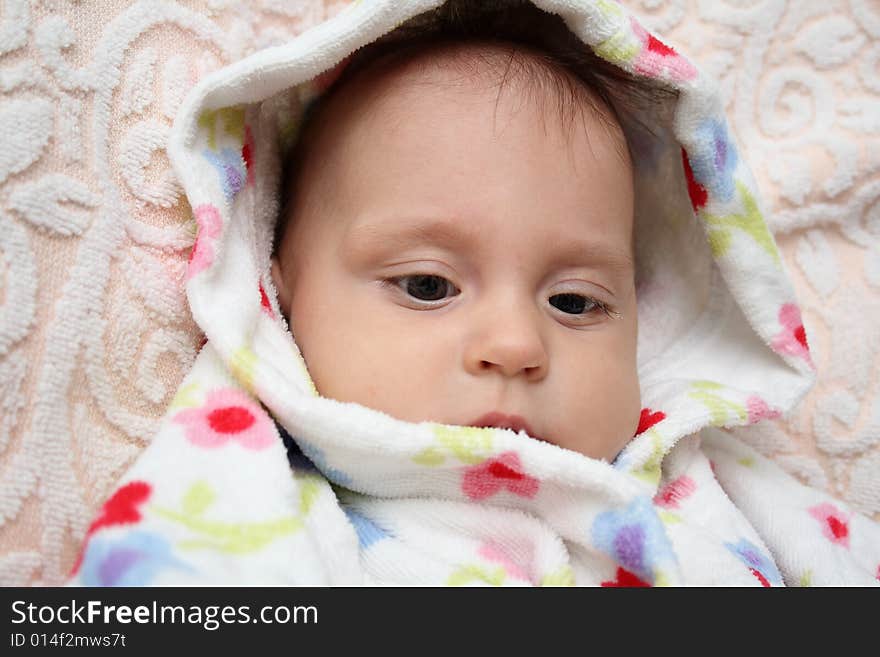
232, 119
750, 222
564, 576
619, 48
649, 471
467, 574
720, 409
469, 445
231, 537
198, 498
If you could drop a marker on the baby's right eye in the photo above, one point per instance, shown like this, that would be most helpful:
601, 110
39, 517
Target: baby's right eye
426, 287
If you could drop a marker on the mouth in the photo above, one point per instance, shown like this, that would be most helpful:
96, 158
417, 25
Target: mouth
497, 420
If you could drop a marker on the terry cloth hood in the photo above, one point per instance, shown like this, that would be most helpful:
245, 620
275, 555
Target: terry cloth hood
721, 340
721, 344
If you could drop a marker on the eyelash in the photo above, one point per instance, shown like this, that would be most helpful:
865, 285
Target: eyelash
599, 305
395, 281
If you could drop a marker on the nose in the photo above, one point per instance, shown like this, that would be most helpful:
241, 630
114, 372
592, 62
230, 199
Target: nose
507, 340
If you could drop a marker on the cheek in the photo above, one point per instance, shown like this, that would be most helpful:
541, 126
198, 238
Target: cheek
599, 385
320, 317
408, 362
405, 378
360, 349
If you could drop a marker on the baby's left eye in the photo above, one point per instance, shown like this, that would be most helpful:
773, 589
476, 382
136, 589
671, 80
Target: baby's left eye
425, 288
573, 304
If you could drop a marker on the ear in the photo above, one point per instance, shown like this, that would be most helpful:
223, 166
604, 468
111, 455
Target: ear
281, 286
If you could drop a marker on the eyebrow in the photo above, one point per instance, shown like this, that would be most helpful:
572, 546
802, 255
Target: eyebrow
410, 232
453, 233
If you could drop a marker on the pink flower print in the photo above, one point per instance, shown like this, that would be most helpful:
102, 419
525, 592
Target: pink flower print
672, 493
492, 552
792, 340
657, 60
759, 410
502, 472
834, 522
227, 415
209, 226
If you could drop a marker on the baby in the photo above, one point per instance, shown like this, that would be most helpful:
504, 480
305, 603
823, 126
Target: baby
461, 250
461, 393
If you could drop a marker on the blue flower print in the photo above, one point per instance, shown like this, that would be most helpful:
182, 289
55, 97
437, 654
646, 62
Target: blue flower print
635, 538
756, 561
714, 159
316, 456
368, 531
231, 169
295, 456
133, 560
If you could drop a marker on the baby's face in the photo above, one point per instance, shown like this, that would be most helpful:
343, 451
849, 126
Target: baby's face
452, 255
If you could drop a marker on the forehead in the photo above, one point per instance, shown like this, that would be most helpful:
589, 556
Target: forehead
412, 138
392, 81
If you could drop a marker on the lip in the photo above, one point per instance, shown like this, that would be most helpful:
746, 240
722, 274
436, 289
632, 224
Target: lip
498, 420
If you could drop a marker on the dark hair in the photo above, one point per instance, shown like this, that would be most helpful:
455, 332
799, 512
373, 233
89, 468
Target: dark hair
541, 48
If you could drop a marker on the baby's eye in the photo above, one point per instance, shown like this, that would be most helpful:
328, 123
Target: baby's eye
427, 287
573, 304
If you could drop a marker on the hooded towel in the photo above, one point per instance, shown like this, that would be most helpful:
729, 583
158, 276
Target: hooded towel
254, 478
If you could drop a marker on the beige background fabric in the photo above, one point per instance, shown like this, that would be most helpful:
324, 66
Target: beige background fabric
94, 234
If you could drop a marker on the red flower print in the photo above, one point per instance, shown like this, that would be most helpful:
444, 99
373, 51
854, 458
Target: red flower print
834, 522
493, 475
625, 579
120, 509
761, 578
648, 419
264, 301
696, 191
672, 493
657, 60
227, 414
247, 154
657, 46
